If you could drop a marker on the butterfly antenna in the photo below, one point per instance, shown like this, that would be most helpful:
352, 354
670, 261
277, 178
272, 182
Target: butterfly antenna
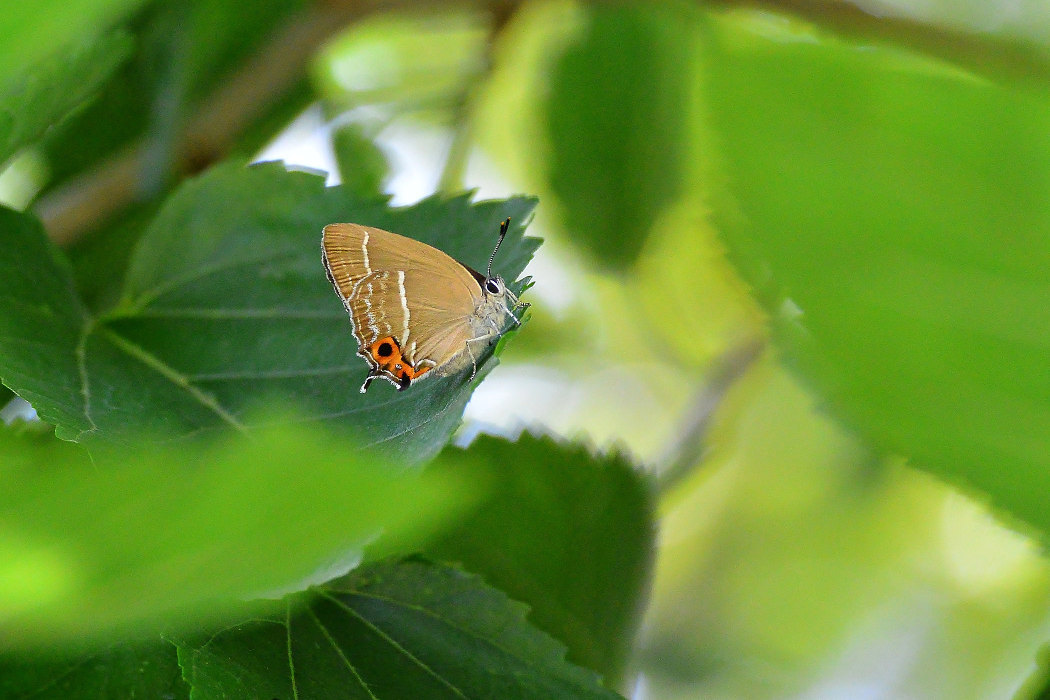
502, 232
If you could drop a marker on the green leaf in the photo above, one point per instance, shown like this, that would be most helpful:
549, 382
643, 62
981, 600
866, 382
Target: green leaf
40, 322
225, 304
39, 31
1037, 685
176, 534
362, 165
616, 117
892, 216
46, 93
393, 629
116, 673
567, 532
410, 60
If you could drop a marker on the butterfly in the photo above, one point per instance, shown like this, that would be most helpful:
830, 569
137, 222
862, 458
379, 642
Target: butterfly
415, 310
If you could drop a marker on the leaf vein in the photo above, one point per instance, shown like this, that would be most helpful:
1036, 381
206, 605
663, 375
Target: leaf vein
288, 642
446, 621
416, 426
273, 374
174, 376
226, 314
339, 651
394, 643
85, 388
202, 271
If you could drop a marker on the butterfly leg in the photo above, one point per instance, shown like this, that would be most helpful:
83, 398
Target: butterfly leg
368, 380
524, 306
473, 360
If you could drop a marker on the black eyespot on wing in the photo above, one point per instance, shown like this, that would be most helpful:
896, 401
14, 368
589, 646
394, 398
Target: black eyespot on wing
405, 380
385, 350
491, 286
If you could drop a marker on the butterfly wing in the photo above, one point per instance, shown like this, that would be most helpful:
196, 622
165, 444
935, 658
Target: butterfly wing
398, 287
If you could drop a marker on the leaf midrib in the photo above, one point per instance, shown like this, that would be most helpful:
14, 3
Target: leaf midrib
147, 358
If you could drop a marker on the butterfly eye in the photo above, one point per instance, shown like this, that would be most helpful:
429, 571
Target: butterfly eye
492, 286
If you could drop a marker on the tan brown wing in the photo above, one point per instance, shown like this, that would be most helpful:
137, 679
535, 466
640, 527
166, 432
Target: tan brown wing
399, 287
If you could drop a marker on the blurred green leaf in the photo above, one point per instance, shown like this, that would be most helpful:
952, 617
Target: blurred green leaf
44, 94
1037, 685
41, 321
183, 51
116, 673
144, 539
40, 31
567, 532
415, 60
694, 305
226, 304
892, 216
616, 119
395, 629
362, 165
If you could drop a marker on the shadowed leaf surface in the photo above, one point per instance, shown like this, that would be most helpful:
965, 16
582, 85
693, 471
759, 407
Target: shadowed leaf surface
226, 304
393, 629
116, 673
568, 532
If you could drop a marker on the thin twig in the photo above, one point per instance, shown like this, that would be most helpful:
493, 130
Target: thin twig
995, 57
683, 456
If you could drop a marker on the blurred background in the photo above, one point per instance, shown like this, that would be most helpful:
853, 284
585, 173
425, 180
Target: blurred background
795, 264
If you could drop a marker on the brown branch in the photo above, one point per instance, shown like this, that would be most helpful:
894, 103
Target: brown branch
86, 201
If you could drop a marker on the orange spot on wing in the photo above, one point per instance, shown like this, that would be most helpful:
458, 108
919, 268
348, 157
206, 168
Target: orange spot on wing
386, 353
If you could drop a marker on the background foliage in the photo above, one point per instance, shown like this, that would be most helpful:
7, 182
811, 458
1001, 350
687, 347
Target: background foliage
790, 313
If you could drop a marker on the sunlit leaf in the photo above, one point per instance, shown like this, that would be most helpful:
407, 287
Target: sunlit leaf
41, 31
175, 534
892, 216
44, 94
